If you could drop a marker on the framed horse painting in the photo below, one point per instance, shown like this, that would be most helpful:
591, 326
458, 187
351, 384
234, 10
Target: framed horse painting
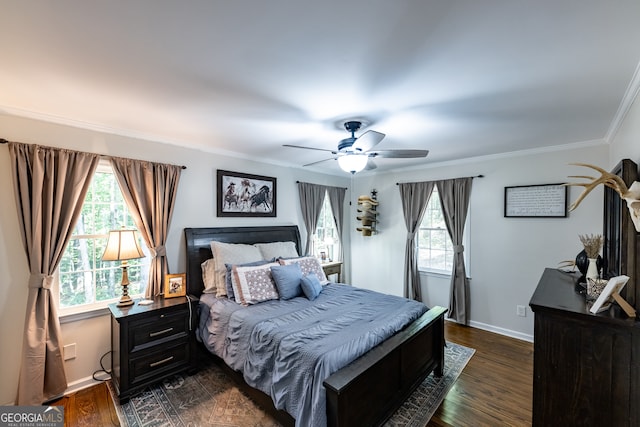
243, 194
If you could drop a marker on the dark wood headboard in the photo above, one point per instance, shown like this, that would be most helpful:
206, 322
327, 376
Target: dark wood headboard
198, 241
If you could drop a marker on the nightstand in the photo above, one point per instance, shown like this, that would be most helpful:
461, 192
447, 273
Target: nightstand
333, 267
152, 342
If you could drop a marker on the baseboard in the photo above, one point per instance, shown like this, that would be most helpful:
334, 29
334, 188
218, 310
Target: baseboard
502, 331
80, 385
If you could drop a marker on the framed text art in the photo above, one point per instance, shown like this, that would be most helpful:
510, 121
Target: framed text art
245, 195
530, 201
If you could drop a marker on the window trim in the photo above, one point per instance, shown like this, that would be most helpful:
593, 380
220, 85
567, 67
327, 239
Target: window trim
96, 308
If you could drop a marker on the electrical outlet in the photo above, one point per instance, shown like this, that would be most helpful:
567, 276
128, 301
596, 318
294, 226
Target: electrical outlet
69, 351
521, 310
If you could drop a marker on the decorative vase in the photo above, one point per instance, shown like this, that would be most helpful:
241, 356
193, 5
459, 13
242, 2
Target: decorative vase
582, 263
592, 270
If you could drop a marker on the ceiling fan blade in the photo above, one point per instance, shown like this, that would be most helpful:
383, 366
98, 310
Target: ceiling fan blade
320, 161
368, 140
370, 164
310, 148
399, 154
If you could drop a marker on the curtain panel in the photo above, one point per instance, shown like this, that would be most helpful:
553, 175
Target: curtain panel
149, 190
414, 197
50, 186
454, 200
336, 198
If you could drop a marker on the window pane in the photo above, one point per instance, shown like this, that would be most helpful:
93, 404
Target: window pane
435, 250
83, 277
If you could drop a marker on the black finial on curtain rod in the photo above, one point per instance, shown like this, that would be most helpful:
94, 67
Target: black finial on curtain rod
477, 176
3, 141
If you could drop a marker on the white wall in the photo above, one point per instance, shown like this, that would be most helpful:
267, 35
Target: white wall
507, 255
195, 207
626, 142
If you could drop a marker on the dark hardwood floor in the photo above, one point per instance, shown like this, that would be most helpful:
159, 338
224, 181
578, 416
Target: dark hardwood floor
495, 388
90, 407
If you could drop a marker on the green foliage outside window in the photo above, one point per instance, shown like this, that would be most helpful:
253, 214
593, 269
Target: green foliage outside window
83, 277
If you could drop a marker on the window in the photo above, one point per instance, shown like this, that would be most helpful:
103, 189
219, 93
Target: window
83, 278
435, 249
325, 238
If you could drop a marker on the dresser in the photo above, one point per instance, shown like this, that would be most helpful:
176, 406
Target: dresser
151, 342
586, 366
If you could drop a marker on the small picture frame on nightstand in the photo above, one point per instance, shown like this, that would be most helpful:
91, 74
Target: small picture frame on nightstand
175, 285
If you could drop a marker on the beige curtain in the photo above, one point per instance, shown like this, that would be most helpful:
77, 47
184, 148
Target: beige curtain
150, 190
50, 186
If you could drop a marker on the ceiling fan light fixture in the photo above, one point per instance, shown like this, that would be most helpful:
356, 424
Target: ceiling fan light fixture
353, 163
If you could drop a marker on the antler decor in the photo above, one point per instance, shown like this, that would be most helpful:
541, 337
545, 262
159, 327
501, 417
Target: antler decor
630, 195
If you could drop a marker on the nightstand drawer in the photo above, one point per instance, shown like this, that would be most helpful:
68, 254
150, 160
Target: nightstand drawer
154, 363
156, 329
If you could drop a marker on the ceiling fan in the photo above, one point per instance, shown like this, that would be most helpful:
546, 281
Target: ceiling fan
355, 154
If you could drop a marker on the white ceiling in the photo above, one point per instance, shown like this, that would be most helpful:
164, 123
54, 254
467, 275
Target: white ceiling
461, 78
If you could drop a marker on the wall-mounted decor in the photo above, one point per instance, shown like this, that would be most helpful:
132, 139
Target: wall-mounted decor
175, 285
367, 213
243, 194
535, 201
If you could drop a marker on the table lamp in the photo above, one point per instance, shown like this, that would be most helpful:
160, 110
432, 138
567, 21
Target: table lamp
122, 246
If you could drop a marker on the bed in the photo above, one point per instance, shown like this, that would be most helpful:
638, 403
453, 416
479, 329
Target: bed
369, 389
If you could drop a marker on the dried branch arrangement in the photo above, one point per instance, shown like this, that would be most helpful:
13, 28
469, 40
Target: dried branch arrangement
592, 244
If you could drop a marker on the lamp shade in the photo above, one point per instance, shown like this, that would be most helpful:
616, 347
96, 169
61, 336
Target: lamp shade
353, 163
122, 245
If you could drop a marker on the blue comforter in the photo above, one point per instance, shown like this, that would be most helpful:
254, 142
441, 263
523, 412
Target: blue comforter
288, 348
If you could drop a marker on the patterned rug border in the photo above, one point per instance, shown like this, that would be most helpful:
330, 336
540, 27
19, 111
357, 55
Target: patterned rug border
416, 411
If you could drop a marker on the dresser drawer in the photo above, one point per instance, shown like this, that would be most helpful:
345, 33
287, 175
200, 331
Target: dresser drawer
158, 329
151, 364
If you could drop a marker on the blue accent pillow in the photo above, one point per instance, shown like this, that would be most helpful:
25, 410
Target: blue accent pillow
227, 277
287, 278
311, 286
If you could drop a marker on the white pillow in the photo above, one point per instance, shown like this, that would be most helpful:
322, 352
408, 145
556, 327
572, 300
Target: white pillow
277, 250
230, 253
208, 276
254, 284
308, 264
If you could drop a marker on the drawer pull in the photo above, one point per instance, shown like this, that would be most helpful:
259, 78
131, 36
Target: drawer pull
160, 362
164, 331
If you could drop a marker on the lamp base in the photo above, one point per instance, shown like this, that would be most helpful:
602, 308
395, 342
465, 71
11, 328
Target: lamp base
125, 301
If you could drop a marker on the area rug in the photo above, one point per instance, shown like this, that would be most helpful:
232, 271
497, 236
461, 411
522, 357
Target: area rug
211, 398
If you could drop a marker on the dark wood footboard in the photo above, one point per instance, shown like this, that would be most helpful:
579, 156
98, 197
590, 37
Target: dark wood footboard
369, 390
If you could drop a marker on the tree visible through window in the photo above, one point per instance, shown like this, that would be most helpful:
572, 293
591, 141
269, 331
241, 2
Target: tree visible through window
435, 250
83, 277
325, 238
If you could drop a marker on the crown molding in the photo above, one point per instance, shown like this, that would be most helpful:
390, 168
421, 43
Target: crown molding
629, 97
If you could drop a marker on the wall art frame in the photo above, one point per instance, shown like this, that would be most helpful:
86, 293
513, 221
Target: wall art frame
535, 201
245, 195
175, 285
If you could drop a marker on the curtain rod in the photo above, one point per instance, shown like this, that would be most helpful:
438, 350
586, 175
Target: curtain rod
300, 182
476, 176
4, 141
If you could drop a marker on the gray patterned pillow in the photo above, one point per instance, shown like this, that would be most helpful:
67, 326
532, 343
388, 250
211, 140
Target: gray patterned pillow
253, 284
